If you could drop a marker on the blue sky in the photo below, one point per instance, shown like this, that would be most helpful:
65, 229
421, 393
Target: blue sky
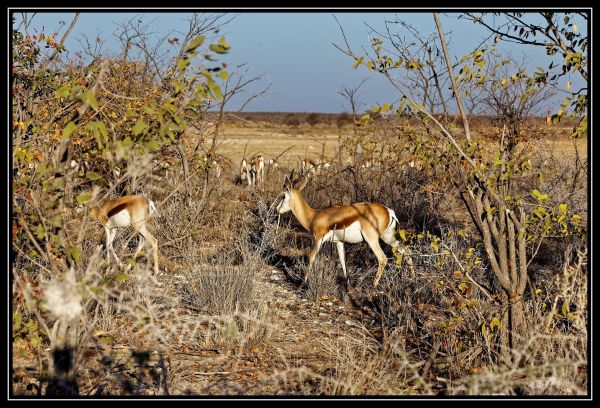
294, 50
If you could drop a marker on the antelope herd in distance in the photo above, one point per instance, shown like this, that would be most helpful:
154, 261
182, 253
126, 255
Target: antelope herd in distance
354, 223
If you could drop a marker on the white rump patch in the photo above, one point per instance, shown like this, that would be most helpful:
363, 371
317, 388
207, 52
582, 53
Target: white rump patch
120, 219
351, 234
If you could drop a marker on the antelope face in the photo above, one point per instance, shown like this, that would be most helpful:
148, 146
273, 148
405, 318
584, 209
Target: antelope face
284, 206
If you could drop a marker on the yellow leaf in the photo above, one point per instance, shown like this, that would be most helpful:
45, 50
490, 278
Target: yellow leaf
569, 85
504, 81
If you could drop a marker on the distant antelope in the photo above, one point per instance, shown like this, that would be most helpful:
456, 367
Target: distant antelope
127, 211
271, 168
253, 170
369, 163
324, 163
245, 171
403, 165
217, 163
257, 169
308, 166
222, 164
272, 165
348, 223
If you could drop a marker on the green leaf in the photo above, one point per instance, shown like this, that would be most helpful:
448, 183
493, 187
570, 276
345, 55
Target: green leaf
40, 231
62, 91
221, 48
153, 145
91, 99
357, 62
17, 320
82, 198
74, 252
92, 175
169, 107
216, 91
565, 309
183, 62
195, 43
122, 277
224, 75
139, 127
70, 128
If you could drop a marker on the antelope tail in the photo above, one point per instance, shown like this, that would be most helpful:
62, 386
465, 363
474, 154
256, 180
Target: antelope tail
153, 210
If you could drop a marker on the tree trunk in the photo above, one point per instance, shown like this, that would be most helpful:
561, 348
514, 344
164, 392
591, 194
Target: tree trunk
518, 323
514, 326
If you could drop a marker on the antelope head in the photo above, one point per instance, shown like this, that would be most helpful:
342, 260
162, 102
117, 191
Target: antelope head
291, 190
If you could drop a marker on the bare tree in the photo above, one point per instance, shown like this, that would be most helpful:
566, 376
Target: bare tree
351, 95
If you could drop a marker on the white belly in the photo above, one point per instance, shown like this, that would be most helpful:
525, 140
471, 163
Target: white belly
120, 219
351, 234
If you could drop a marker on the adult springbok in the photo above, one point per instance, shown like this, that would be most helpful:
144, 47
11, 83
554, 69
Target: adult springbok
244, 171
127, 211
348, 223
257, 169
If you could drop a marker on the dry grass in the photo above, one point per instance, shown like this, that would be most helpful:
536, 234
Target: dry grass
235, 312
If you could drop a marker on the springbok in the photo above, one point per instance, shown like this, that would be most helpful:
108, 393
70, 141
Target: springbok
245, 170
222, 163
308, 166
253, 170
272, 165
271, 168
348, 223
324, 163
257, 169
127, 211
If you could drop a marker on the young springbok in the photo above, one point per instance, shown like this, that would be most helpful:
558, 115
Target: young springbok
127, 211
348, 223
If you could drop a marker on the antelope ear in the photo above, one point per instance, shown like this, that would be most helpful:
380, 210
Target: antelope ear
301, 182
287, 184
